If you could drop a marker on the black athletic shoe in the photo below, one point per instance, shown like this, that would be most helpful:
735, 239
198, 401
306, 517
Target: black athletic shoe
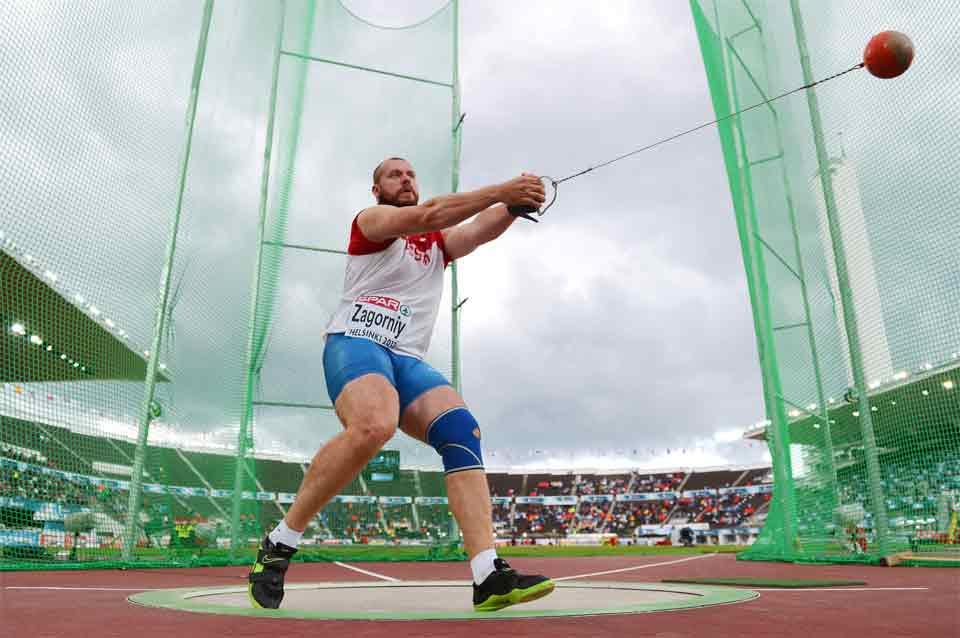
505, 587
266, 577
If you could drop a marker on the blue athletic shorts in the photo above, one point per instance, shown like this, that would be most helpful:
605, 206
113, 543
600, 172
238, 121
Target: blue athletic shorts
346, 358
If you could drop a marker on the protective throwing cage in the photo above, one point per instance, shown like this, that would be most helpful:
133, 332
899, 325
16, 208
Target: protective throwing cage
178, 185
847, 198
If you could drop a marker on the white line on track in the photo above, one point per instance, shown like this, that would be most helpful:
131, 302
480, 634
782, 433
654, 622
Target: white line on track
363, 571
836, 588
368, 573
84, 588
630, 569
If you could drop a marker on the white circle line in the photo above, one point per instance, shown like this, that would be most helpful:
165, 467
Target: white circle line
83, 588
335, 585
368, 573
635, 567
837, 588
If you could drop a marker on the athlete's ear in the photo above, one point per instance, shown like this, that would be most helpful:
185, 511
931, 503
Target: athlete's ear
376, 191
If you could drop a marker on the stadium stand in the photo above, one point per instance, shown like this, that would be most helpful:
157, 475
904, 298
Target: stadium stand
192, 487
602, 483
549, 484
758, 476
432, 484
644, 482
713, 479
503, 484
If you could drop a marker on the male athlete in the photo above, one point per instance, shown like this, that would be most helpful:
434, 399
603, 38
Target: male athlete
377, 379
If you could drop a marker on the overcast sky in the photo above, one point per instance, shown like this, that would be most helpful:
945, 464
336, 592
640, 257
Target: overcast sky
615, 330
621, 322
615, 333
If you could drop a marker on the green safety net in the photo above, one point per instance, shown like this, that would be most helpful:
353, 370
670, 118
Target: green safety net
846, 198
166, 271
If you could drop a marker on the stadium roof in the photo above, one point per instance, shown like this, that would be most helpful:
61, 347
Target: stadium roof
925, 397
47, 338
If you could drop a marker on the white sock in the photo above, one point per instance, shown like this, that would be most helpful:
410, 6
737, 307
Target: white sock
482, 565
283, 534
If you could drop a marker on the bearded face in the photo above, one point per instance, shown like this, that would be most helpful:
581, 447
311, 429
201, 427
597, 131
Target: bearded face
396, 183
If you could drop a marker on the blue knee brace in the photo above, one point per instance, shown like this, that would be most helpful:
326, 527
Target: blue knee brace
455, 435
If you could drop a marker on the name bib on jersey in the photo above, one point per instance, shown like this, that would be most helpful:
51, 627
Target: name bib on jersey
378, 318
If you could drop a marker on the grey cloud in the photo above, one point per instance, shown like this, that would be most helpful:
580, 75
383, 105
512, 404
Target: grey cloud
611, 368
676, 363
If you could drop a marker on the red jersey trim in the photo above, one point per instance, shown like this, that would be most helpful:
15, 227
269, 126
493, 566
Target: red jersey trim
420, 245
443, 247
360, 245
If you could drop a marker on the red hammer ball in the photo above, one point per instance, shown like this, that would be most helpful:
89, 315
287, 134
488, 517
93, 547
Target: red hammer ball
888, 54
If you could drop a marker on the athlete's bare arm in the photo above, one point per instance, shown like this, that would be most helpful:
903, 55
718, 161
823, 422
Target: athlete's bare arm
381, 222
487, 226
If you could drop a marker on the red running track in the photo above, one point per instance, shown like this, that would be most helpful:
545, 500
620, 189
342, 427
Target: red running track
934, 611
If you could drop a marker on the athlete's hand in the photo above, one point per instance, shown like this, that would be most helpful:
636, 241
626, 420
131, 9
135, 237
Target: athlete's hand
524, 191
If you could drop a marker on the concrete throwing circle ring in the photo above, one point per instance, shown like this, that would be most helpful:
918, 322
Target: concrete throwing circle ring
441, 600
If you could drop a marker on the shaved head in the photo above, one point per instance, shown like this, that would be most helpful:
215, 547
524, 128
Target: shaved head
378, 171
395, 183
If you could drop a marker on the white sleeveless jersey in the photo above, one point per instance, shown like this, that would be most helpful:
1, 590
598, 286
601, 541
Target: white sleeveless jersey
392, 290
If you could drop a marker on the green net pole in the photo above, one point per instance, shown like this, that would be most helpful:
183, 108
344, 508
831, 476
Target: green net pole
455, 333
747, 226
266, 278
131, 532
804, 293
824, 416
846, 295
244, 442
454, 187
772, 387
